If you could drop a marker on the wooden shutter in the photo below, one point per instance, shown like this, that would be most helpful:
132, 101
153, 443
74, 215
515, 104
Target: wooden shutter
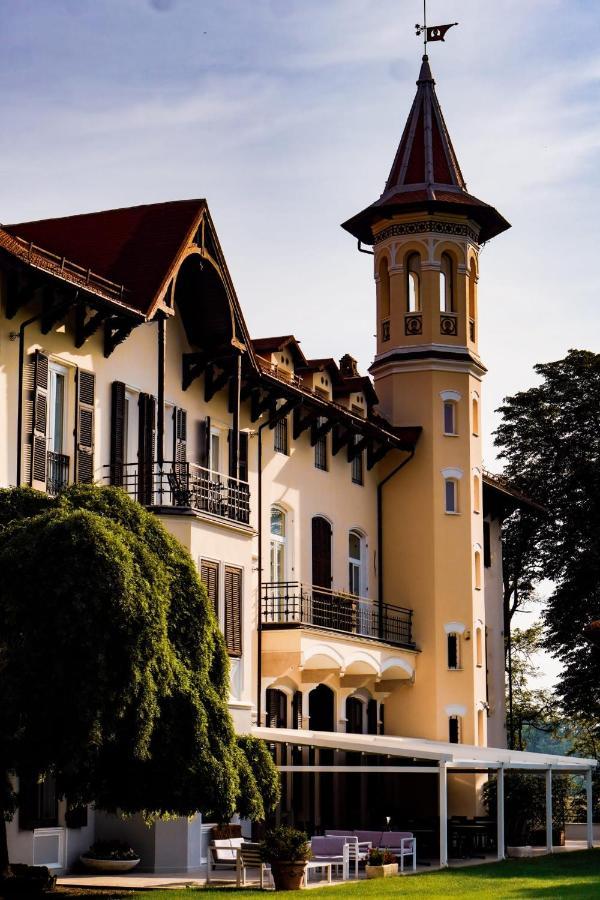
117, 433
209, 573
179, 435
233, 610
39, 421
297, 710
204, 443
146, 447
84, 461
372, 717
243, 456
232, 460
382, 719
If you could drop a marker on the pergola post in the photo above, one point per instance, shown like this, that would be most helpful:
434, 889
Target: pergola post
549, 810
500, 811
443, 791
589, 809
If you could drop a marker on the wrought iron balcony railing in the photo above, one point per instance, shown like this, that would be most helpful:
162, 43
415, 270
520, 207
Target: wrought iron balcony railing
186, 486
290, 604
57, 473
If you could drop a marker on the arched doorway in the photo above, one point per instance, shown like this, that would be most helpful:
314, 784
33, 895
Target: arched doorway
321, 711
321, 708
354, 716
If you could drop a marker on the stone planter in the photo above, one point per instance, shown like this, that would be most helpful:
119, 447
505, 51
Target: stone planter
382, 871
288, 875
108, 865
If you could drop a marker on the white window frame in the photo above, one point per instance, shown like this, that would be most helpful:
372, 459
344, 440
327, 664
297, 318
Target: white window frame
54, 369
358, 563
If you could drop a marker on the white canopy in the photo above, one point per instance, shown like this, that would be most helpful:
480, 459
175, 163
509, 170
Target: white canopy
456, 756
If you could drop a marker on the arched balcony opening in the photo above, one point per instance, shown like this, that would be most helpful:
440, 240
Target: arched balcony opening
321, 708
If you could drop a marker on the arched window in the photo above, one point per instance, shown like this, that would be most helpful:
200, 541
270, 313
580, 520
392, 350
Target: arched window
479, 647
475, 415
413, 273
476, 493
451, 495
384, 288
454, 729
446, 284
355, 563
453, 650
472, 301
450, 417
477, 569
278, 545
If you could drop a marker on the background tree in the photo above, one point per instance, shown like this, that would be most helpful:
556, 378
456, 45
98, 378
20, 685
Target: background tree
102, 608
549, 439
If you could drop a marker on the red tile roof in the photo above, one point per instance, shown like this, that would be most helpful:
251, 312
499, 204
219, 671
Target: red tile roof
134, 246
425, 175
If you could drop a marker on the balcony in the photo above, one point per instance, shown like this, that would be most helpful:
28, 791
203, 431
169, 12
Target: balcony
291, 604
57, 473
185, 486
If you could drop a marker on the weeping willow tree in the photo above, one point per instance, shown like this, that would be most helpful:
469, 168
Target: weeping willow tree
114, 676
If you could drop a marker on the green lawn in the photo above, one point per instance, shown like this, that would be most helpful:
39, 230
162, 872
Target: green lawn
563, 876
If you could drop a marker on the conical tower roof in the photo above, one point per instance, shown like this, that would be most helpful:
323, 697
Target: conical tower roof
425, 175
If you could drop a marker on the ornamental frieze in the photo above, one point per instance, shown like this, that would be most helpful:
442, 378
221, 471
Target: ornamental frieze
428, 227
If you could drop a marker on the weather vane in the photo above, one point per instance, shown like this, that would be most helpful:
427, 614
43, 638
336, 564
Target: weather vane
432, 32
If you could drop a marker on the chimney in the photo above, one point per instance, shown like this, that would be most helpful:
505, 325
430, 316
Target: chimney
348, 367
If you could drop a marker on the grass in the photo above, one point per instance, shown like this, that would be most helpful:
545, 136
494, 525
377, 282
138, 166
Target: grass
563, 876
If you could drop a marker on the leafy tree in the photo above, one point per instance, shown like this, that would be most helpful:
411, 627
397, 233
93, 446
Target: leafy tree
550, 440
533, 708
101, 608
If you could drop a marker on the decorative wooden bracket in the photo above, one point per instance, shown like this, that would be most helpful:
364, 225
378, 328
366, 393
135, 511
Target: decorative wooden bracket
116, 330
340, 438
375, 452
355, 448
319, 431
281, 412
193, 366
260, 404
215, 378
87, 325
55, 306
302, 422
17, 294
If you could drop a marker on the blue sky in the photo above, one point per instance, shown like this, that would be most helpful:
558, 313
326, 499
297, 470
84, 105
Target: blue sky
285, 115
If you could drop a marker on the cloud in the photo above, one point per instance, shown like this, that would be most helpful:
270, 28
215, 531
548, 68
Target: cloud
162, 5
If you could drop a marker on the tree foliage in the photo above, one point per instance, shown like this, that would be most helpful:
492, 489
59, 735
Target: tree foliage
114, 674
550, 440
534, 709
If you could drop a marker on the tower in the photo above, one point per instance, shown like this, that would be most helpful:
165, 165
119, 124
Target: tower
426, 230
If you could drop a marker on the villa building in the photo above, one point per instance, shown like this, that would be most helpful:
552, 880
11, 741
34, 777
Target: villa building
344, 526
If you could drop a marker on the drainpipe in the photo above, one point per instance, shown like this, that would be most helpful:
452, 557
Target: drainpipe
380, 535
160, 449
21, 336
260, 579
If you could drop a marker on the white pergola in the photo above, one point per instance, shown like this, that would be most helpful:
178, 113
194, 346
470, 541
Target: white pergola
440, 758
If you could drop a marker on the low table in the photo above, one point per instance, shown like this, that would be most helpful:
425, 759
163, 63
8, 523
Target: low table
318, 864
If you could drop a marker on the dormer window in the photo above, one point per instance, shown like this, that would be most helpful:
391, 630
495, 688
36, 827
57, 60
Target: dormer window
413, 272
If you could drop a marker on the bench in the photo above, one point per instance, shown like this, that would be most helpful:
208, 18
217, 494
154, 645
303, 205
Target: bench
222, 854
248, 857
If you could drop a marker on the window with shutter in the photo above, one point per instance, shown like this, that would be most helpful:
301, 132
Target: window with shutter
209, 573
117, 433
179, 435
38, 803
146, 448
297, 710
39, 421
372, 717
276, 709
243, 456
84, 461
233, 610
204, 443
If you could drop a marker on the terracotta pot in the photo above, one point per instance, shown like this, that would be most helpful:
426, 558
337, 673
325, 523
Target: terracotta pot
288, 875
382, 871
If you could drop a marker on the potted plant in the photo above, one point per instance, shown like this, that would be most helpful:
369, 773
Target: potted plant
110, 856
287, 850
381, 863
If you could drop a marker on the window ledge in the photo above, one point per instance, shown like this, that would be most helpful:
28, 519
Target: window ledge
451, 434
450, 512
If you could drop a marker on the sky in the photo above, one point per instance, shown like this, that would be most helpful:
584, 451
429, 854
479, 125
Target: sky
286, 114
